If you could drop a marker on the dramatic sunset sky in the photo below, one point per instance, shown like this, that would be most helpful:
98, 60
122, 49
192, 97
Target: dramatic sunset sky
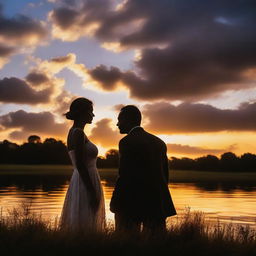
189, 65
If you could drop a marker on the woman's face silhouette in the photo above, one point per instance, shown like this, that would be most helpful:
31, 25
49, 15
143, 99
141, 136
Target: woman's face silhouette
87, 116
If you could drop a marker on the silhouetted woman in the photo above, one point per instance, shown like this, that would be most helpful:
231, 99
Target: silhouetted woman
83, 208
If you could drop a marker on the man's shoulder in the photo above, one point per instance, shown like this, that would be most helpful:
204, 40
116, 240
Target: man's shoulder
129, 139
140, 135
124, 140
154, 137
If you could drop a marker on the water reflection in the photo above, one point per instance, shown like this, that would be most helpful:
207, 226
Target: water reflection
227, 201
226, 186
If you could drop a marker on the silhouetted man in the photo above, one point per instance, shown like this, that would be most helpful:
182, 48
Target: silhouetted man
141, 194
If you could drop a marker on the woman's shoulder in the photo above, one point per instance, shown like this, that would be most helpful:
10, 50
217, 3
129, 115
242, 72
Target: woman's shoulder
76, 135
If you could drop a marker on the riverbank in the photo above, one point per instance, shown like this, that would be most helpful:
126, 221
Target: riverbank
24, 233
191, 176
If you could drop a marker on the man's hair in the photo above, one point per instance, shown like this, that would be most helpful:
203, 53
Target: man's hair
132, 113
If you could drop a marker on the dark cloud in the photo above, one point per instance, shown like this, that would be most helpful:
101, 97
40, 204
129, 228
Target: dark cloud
107, 77
65, 17
18, 33
15, 90
62, 59
32, 123
21, 27
165, 118
37, 78
103, 134
6, 51
189, 49
190, 150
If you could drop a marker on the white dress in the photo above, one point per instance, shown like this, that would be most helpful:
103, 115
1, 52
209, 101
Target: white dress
77, 214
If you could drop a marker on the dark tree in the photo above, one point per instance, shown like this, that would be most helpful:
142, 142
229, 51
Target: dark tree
112, 156
209, 162
110, 160
229, 162
34, 139
50, 141
55, 152
182, 164
248, 162
8, 152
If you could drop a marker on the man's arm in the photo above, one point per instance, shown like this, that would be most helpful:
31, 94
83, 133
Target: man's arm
166, 164
122, 156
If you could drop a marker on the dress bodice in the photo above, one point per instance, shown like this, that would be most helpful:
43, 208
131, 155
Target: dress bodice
90, 155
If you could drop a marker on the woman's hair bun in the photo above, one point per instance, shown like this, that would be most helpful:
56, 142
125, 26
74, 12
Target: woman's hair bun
77, 107
69, 115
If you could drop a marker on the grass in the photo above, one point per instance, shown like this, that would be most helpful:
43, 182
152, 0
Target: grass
24, 233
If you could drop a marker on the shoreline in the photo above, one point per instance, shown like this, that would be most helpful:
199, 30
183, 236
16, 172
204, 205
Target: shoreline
23, 232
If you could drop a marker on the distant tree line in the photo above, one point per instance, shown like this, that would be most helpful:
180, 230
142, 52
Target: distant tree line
227, 162
52, 151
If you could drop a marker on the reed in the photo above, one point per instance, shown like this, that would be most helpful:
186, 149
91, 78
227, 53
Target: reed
23, 233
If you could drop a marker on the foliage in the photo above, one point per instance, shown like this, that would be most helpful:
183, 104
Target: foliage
227, 162
50, 151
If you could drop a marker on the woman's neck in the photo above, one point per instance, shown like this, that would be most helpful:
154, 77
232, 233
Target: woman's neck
78, 124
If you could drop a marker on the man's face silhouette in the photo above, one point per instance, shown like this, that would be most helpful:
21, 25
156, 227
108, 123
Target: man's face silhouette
123, 123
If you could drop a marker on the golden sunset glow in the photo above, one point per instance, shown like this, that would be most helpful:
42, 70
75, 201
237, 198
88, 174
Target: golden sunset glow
195, 92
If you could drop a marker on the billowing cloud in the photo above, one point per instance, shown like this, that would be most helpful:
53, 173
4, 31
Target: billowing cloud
20, 30
15, 90
63, 101
37, 78
17, 34
103, 134
65, 17
40, 86
165, 118
189, 50
5, 53
55, 65
191, 150
28, 123
107, 77
83, 19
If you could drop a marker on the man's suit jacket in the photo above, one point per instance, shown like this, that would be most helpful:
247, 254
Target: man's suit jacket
141, 189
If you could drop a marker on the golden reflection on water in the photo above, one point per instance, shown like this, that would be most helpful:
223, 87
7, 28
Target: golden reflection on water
236, 206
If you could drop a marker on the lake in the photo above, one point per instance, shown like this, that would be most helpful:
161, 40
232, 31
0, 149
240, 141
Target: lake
224, 197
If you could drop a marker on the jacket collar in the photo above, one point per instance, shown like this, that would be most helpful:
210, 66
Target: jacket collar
135, 128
